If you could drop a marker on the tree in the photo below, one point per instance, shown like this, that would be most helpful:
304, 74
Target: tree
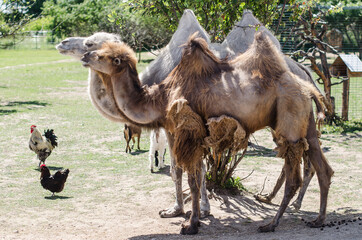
311, 27
140, 32
14, 14
348, 22
81, 17
216, 16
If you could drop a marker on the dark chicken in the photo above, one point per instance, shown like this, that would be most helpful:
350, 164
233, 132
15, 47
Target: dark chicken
43, 147
54, 183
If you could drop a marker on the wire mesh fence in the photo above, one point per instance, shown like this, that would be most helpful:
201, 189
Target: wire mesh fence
345, 36
29, 40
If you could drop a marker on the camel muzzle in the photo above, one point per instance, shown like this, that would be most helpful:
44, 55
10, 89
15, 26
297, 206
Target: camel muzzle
85, 59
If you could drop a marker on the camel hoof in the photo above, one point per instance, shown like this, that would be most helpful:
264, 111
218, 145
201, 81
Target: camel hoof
262, 198
170, 213
190, 229
204, 214
152, 170
296, 206
315, 224
267, 228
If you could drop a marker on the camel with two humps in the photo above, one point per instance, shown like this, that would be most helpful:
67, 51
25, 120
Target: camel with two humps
236, 42
156, 72
256, 89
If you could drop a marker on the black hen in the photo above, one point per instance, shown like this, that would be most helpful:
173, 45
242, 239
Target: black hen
54, 183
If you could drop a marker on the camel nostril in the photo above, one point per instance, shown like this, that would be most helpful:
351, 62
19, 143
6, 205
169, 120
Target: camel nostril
65, 42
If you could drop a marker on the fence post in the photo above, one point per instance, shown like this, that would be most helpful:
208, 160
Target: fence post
345, 97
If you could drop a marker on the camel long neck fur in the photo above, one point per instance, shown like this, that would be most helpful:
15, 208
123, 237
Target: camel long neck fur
136, 102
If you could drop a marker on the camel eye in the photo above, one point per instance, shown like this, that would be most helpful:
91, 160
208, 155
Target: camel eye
117, 61
89, 44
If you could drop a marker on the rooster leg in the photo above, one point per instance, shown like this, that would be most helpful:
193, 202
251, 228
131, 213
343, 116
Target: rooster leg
53, 195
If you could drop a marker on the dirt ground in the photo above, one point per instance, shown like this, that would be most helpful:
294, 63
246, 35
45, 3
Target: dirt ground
232, 217
128, 209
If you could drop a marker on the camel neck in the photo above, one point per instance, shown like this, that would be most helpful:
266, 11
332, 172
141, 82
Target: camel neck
136, 102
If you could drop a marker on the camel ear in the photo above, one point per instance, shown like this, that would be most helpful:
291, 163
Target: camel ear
117, 61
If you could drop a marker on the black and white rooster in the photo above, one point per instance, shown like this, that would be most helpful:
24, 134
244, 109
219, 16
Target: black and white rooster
43, 147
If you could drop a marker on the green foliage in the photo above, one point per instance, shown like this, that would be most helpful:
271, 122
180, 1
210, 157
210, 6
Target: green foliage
81, 17
140, 31
43, 23
13, 15
343, 127
234, 183
216, 16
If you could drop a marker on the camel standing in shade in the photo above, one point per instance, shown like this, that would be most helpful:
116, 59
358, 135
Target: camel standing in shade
237, 41
254, 90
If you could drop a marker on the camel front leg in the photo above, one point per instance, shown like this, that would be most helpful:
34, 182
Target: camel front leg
194, 180
292, 153
176, 174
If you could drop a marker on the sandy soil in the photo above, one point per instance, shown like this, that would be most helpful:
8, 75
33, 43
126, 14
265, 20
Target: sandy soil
130, 211
232, 217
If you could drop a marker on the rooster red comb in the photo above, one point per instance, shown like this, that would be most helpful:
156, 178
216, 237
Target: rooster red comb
41, 166
32, 128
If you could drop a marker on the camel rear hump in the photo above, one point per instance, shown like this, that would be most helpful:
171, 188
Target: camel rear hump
263, 59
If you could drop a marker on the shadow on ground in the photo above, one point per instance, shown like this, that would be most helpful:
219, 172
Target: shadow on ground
138, 152
16, 104
164, 171
239, 225
55, 197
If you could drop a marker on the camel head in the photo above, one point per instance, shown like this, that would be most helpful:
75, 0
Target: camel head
72, 46
77, 46
112, 58
95, 41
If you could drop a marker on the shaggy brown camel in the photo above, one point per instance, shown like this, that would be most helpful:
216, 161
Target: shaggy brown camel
255, 90
236, 42
156, 72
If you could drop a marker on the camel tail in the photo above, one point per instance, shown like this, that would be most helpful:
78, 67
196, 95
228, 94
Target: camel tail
318, 99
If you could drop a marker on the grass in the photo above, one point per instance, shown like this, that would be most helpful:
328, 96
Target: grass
55, 96
355, 97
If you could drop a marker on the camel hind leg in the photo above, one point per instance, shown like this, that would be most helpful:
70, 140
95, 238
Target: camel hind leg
323, 170
138, 142
292, 154
268, 197
308, 174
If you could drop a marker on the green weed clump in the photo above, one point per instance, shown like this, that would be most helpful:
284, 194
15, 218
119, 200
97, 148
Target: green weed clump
343, 127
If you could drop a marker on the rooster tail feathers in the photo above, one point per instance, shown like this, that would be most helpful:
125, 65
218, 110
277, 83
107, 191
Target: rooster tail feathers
50, 136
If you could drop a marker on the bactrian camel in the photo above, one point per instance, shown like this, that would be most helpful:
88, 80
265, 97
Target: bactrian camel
156, 72
236, 42
254, 90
